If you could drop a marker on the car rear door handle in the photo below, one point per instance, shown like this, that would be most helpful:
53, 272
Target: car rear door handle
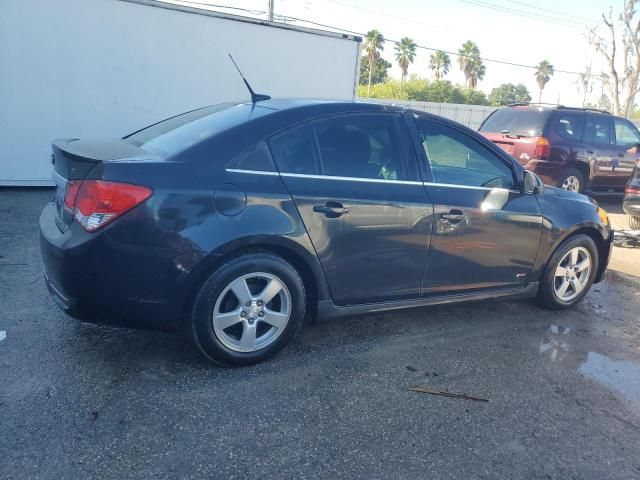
454, 216
331, 209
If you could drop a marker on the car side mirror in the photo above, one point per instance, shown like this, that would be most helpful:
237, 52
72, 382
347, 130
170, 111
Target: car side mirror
531, 183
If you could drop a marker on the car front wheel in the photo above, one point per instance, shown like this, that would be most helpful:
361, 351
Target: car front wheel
248, 309
569, 273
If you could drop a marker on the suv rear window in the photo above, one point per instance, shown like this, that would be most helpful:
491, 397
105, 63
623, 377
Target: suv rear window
527, 122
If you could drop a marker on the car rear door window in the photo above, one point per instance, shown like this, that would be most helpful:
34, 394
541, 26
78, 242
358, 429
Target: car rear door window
360, 146
598, 130
457, 159
569, 126
626, 134
295, 151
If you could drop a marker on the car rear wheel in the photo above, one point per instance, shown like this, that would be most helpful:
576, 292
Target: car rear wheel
634, 223
569, 273
572, 180
248, 309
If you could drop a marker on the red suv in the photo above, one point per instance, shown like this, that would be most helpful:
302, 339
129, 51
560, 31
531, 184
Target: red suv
575, 149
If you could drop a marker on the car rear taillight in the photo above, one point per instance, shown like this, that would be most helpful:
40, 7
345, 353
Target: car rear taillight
95, 203
630, 190
543, 149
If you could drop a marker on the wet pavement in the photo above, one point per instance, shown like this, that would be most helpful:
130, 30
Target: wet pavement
82, 401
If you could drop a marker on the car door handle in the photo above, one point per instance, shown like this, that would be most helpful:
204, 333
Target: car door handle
621, 155
454, 216
331, 209
590, 152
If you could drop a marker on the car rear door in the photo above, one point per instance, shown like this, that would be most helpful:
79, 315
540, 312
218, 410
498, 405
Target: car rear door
486, 231
602, 153
355, 183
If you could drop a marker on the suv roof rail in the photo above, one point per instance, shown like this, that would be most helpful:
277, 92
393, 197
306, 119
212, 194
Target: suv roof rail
583, 109
527, 104
587, 109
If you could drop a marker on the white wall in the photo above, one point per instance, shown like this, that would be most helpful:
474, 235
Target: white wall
88, 68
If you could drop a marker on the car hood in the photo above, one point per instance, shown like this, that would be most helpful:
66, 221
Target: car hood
566, 195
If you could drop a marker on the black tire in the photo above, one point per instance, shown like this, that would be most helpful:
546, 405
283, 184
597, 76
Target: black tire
634, 223
568, 173
546, 292
202, 329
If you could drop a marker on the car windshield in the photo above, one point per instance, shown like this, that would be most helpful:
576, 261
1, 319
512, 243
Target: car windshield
178, 133
527, 122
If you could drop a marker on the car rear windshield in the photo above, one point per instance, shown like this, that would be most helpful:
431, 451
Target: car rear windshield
179, 133
527, 122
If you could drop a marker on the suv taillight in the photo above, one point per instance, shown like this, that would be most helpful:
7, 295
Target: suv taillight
95, 203
632, 190
543, 149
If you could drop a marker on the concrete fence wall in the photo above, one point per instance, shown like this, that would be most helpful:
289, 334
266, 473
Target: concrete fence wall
469, 115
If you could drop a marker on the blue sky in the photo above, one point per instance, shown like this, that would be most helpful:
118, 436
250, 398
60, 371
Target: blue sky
531, 30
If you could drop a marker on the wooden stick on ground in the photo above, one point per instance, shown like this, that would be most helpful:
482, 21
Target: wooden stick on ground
443, 393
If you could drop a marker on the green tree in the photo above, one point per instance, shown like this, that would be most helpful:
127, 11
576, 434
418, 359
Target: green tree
379, 73
508, 93
389, 89
405, 54
443, 91
474, 97
603, 103
471, 64
373, 45
544, 72
440, 63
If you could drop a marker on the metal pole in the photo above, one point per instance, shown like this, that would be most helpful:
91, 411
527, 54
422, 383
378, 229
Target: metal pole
271, 10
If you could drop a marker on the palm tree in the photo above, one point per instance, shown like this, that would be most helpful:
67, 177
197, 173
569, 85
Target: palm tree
373, 45
440, 63
544, 72
405, 54
471, 63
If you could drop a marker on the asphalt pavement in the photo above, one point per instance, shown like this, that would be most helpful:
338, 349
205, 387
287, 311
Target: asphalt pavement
84, 401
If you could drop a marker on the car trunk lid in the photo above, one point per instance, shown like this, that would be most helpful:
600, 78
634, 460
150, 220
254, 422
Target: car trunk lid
75, 160
521, 148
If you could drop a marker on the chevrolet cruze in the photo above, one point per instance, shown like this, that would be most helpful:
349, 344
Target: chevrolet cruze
234, 222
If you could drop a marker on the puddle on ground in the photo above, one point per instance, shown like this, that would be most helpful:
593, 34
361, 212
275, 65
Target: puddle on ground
623, 377
620, 375
555, 344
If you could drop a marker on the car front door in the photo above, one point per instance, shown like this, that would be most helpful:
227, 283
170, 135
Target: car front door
626, 136
354, 179
486, 232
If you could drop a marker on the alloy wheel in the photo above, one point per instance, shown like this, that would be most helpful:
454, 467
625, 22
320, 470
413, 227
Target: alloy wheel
252, 312
571, 183
572, 274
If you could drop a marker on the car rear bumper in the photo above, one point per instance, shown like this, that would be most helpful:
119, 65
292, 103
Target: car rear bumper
94, 279
631, 206
549, 172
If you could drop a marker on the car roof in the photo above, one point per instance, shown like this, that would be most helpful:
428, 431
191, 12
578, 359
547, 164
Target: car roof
554, 107
321, 105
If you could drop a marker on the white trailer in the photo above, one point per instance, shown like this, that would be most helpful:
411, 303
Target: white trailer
87, 68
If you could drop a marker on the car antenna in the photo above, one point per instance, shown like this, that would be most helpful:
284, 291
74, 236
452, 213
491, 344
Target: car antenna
255, 97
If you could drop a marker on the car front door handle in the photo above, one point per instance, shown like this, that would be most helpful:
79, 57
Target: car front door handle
454, 216
331, 209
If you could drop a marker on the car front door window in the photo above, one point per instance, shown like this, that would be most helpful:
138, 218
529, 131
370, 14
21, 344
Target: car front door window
626, 135
455, 158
